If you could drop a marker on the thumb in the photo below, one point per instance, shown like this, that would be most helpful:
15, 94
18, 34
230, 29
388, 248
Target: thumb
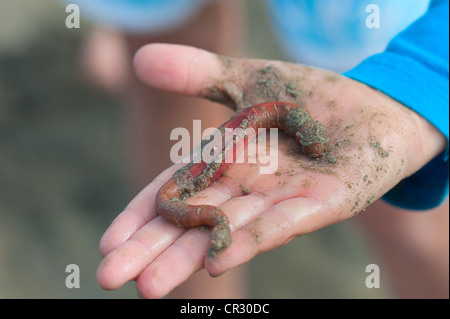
181, 69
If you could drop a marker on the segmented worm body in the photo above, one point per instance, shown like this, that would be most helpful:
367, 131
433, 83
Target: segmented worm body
310, 135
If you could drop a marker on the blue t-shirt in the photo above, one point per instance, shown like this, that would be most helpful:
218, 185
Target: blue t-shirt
338, 34
146, 17
414, 70
405, 56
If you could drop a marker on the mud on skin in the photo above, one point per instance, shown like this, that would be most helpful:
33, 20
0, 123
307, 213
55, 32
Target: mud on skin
255, 81
243, 83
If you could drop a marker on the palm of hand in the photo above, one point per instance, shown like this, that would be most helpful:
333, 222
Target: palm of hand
265, 210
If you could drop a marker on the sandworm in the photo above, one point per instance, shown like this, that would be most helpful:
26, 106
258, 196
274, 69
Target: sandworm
310, 135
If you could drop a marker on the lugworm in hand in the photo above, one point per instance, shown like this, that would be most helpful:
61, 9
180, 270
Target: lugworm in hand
310, 135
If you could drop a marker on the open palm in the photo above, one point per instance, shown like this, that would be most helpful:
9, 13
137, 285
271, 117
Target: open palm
369, 155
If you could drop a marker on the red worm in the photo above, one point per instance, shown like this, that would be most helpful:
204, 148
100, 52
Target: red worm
294, 120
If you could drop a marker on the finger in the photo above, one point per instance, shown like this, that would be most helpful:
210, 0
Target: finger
137, 213
177, 68
178, 262
187, 254
128, 260
273, 228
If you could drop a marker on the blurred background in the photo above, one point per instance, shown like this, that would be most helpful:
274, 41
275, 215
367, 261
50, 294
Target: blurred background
63, 173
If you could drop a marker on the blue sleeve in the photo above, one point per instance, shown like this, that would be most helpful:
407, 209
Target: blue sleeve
414, 70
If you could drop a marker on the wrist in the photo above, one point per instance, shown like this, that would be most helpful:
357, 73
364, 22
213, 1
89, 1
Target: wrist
388, 140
